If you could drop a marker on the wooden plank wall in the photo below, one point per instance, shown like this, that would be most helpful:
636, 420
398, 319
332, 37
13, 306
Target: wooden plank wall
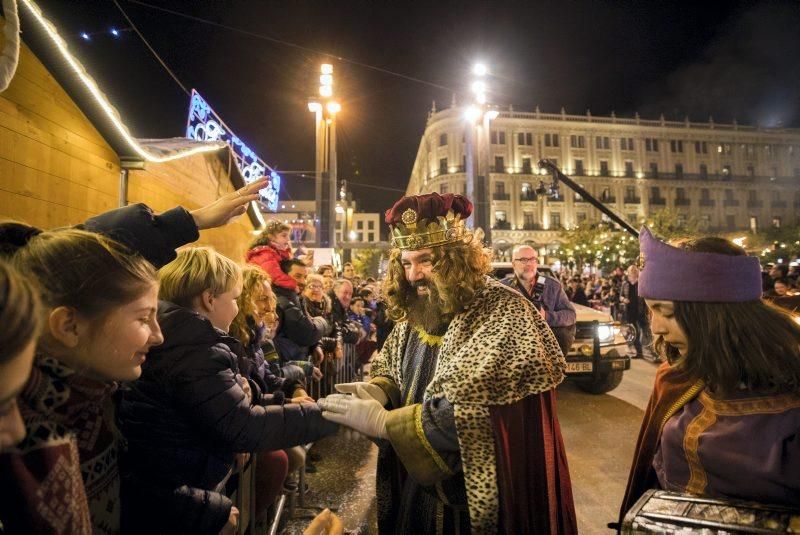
57, 170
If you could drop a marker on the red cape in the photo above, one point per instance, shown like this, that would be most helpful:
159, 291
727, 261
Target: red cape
532, 473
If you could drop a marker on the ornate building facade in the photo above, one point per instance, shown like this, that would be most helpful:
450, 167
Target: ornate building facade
726, 177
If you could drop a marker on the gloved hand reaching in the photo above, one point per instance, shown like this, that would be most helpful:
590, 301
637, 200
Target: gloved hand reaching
360, 412
373, 391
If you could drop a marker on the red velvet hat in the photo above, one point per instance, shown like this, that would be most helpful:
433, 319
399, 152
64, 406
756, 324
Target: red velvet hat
430, 220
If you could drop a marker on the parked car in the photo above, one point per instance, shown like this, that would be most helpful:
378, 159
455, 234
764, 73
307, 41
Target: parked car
599, 355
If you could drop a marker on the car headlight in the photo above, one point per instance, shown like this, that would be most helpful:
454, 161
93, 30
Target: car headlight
605, 332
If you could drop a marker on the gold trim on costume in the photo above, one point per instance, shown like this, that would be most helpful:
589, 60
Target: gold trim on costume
427, 338
748, 406
683, 400
426, 444
698, 480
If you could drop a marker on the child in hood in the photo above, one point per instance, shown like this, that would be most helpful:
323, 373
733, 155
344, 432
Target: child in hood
272, 246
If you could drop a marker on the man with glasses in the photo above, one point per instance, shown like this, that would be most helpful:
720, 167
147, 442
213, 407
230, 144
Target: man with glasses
549, 297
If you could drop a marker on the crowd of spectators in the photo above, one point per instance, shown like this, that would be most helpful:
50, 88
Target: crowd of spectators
149, 378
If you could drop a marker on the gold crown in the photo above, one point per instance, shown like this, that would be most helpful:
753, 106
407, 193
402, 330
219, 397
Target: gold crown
413, 234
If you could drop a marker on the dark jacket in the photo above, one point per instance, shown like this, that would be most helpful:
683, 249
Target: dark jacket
559, 311
349, 331
297, 332
186, 418
155, 237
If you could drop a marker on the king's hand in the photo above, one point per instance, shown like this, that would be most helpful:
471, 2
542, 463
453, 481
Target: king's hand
360, 412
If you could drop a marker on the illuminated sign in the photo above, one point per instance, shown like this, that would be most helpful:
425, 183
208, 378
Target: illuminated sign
205, 125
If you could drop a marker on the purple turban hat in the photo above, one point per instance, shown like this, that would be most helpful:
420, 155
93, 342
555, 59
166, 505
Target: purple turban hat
672, 274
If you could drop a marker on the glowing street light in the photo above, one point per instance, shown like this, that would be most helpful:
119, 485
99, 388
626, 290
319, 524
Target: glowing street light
85, 36
472, 113
334, 107
326, 68
325, 91
479, 69
478, 86
315, 107
114, 32
353, 235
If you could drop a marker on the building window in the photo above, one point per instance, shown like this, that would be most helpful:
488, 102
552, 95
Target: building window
703, 171
629, 168
606, 194
603, 168
678, 170
626, 143
676, 145
526, 166
603, 142
776, 222
653, 170
555, 220
580, 218
724, 148
524, 138
705, 194
753, 224
630, 193
655, 193
498, 137
633, 218
371, 224
680, 193
442, 166
443, 140
751, 171
359, 224
774, 172
726, 172
527, 219
500, 188
730, 221
701, 147
577, 142
650, 144
360, 236
579, 168
551, 140
499, 164
729, 195
444, 188
500, 215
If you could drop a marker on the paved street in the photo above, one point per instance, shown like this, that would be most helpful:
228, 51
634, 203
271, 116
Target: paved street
599, 433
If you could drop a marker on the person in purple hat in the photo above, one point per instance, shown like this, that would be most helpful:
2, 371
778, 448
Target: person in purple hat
724, 417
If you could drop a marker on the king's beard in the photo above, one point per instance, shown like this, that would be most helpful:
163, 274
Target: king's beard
424, 307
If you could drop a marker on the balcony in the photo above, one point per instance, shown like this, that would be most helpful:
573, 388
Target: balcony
501, 225
525, 197
632, 200
658, 201
501, 196
753, 203
496, 169
683, 202
446, 171
730, 202
707, 202
778, 204
608, 200
532, 226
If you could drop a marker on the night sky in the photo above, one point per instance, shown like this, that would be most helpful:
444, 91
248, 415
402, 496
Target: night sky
726, 59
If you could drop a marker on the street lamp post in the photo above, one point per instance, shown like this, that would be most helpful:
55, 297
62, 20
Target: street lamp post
477, 153
325, 110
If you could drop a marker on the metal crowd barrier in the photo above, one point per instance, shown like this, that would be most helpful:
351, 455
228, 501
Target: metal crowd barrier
344, 370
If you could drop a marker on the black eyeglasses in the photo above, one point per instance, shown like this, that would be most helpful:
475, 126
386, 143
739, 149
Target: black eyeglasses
530, 260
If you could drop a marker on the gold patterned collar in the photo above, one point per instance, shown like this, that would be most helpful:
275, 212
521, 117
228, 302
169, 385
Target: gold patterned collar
426, 337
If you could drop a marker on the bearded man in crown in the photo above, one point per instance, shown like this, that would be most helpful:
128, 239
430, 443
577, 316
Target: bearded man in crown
462, 397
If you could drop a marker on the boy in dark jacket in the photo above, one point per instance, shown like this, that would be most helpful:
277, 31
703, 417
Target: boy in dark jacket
191, 411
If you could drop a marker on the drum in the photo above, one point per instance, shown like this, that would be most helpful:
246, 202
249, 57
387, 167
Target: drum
659, 511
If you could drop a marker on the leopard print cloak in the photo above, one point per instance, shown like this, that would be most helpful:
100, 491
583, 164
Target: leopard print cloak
497, 352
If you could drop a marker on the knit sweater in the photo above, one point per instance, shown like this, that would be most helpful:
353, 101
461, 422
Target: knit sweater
64, 476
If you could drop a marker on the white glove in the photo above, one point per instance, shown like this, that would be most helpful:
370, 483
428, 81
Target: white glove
362, 413
373, 391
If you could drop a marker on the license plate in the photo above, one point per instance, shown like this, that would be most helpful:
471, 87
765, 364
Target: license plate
579, 367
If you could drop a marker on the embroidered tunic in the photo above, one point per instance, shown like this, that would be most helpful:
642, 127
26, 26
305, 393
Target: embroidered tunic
747, 448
